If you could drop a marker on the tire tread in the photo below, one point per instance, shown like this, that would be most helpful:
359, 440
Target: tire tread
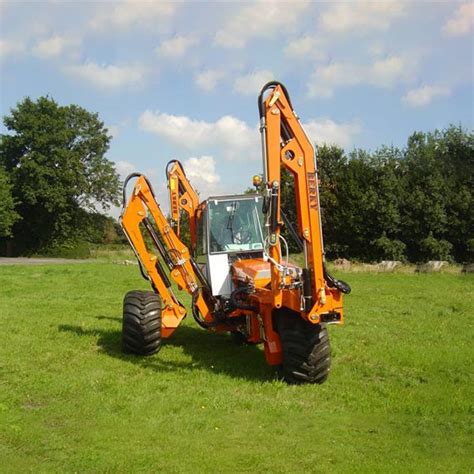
306, 348
141, 324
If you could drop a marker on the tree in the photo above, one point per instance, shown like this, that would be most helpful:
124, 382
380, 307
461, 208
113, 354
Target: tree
387, 182
438, 215
424, 213
8, 216
55, 158
332, 165
455, 153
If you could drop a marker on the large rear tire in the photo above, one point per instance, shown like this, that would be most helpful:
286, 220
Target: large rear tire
306, 349
141, 325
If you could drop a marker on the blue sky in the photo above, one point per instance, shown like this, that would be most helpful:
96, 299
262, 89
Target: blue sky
180, 80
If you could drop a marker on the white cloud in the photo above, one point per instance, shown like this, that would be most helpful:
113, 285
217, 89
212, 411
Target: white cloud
108, 76
461, 22
203, 169
53, 46
387, 72
262, 18
207, 80
132, 13
233, 137
424, 95
360, 17
200, 170
250, 84
124, 168
203, 176
306, 47
11, 47
381, 73
376, 49
176, 47
332, 133
113, 130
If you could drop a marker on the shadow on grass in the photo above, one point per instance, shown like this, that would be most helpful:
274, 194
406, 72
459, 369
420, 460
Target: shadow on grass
215, 353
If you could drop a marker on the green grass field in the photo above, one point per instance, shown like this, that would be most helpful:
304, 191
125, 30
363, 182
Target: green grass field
399, 398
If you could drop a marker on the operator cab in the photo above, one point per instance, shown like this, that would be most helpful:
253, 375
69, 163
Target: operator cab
230, 228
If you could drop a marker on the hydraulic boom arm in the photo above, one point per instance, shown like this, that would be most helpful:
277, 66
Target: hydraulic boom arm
174, 254
286, 145
182, 197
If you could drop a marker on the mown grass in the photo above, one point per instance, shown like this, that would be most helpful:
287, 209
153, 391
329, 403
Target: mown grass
399, 398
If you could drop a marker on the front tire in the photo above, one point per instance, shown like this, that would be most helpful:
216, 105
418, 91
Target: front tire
306, 349
141, 324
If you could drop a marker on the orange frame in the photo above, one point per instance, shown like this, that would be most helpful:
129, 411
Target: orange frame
142, 203
291, 150
296, 153
182, 197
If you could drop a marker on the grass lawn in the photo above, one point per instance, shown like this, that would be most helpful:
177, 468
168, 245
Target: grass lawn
399, 398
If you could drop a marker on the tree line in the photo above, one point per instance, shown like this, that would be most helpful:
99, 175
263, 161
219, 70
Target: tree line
413, 203
409, 204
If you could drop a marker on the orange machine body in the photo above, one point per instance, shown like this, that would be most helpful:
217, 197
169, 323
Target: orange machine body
263, 282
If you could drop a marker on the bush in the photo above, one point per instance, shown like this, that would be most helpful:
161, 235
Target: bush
95, 228
389, 249
434, 249
70, 249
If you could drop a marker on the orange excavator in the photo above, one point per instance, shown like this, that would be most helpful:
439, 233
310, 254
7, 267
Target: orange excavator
236, 268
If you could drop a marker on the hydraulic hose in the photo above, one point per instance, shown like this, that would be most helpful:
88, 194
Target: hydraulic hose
298, 240
268, 86
197, 317
237, 305
170, 163
335, 283
124, 189
181, 189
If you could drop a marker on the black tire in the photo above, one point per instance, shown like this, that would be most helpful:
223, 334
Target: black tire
141, 324
306, 349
